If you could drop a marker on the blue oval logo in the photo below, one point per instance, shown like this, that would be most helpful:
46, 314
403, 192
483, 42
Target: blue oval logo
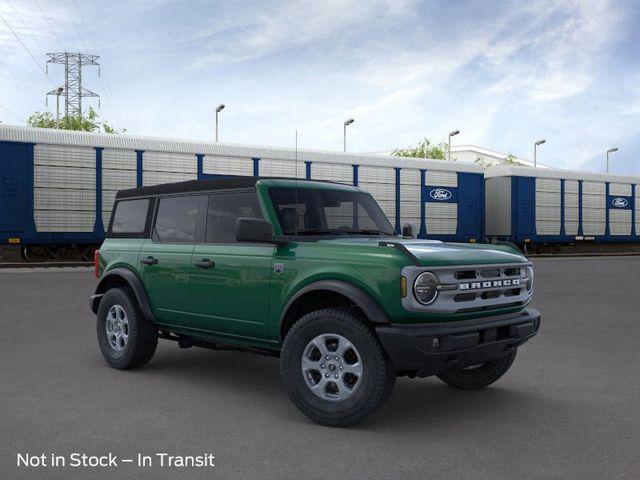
440, 194
620, 202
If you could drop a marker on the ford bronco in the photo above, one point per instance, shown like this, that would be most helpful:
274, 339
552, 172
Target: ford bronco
311, 272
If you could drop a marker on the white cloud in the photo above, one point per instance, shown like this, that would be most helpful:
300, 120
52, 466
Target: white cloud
501, 74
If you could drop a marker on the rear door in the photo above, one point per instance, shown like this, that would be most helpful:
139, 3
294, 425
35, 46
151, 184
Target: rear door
165, 258
13, 186
230, 280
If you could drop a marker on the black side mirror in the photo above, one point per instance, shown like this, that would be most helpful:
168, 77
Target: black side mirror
407, 230
254, 230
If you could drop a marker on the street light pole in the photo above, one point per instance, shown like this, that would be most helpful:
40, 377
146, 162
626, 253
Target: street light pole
219, 108
451, 134
535, 152
59, 91
344, 133
611, 150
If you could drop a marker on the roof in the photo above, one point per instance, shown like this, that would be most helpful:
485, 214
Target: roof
492, 153
209, 185
512, 171
14, 133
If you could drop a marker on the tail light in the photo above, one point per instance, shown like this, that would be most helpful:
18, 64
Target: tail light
96, 263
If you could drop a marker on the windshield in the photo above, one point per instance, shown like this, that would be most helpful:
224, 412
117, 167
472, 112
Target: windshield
311, 211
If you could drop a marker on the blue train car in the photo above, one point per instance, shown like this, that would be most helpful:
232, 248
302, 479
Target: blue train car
58, 186
549, 206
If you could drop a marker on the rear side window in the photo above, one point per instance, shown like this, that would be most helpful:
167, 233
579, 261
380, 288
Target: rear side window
224, 210
176, 219
130, 216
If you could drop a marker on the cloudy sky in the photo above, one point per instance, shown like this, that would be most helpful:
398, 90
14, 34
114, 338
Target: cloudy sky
504, 73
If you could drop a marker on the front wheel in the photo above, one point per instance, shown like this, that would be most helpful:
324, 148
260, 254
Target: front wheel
334, 369
478, 376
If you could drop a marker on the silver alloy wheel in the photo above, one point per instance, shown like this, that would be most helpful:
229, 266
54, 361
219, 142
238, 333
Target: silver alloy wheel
117, 328
332, 367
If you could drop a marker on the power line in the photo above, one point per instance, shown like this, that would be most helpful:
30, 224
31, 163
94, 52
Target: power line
84, 23
21, 81
11, 112
27, 49
50, 26
106, 84
75, 26
24, 25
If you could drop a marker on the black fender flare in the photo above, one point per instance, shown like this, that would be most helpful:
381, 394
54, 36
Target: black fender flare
133, 281
362, 299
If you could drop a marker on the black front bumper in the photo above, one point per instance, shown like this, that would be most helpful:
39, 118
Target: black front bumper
428, 349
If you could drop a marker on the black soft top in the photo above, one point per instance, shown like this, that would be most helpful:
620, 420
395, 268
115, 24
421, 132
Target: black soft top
189, 186
202, 186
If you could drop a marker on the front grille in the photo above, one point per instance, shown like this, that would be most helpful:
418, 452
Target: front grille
479, 288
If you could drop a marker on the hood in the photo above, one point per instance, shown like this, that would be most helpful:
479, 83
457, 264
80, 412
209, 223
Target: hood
436, 253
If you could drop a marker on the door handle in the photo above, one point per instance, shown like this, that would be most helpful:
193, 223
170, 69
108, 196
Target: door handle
149, 261
205, 263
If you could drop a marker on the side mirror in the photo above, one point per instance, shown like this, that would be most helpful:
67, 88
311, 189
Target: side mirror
407, 230
254, 230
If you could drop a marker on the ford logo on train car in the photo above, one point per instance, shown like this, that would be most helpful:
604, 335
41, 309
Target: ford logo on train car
440, 194
619, 202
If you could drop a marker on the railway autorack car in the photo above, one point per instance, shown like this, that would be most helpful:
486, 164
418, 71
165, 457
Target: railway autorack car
549, 206
58, 186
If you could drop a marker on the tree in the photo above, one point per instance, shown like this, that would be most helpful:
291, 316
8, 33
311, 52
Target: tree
510, 159
86, 123
424, 149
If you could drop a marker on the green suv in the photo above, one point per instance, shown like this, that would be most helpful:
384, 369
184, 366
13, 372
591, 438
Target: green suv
311, 272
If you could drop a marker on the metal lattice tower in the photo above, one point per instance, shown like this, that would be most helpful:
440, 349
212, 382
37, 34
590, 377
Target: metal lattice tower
73, 91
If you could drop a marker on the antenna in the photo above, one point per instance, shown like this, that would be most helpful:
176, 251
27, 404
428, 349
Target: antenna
295, 189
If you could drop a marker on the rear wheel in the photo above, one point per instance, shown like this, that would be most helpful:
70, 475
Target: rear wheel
478, 376
126, 338
334, 369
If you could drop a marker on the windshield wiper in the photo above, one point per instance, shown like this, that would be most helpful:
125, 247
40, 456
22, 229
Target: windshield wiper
314, 231
368, 232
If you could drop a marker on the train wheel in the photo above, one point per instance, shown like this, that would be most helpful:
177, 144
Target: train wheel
40, 253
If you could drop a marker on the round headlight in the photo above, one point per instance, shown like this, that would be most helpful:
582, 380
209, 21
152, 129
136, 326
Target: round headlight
529, 274
425, 288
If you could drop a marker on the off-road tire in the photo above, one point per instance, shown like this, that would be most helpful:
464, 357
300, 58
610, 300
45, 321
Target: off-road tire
480, 377
142, 334
378, 377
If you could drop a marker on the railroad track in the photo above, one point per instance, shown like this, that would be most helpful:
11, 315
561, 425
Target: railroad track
583, 254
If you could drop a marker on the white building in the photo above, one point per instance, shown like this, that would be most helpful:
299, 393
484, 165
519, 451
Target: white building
479, 155
471, 153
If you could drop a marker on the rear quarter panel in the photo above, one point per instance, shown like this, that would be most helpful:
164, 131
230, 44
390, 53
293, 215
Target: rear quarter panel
120, 252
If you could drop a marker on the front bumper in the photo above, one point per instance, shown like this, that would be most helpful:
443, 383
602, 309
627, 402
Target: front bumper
428, 349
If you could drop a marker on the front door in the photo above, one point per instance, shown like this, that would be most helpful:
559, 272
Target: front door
165, 259
230, 280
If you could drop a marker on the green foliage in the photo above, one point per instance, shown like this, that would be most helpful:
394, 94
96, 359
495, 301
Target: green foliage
424, 149
510, 159
86, 123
